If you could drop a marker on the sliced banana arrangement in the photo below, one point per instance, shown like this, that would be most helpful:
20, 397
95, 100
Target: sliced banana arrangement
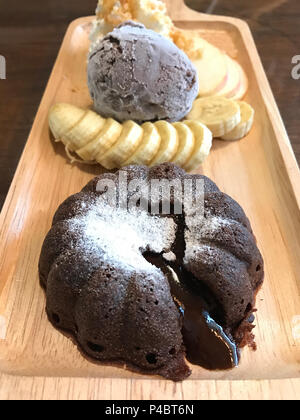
148, 147
115, 145
244, 127
219, 114
202, 146
226, 118
169, 143
187, 144
125, 145
101, 143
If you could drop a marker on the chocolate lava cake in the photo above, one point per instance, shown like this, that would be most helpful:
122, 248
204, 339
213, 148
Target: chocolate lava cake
152, 290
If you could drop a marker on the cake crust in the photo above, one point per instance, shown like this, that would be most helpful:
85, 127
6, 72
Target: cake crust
117, 302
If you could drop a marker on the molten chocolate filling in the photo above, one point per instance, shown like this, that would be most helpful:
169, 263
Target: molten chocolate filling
206, 343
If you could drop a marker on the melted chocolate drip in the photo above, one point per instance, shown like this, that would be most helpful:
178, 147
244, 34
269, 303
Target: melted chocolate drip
206, 343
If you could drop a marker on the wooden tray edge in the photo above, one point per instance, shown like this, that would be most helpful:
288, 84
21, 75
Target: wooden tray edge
11, 190
35, 388
286, 150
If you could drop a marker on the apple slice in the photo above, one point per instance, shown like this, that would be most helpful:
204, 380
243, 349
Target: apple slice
212, 69
243, 87
233, 80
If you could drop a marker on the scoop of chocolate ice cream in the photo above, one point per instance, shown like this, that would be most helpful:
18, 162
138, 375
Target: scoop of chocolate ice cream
136, 74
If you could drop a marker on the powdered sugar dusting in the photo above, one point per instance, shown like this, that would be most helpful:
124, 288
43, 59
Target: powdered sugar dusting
201, 229
123, 235
208, 227
198, 249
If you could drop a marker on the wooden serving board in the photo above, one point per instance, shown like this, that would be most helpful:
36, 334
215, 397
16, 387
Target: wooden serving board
260, 172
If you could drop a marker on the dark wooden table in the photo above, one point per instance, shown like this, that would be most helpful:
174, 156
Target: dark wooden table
31, 33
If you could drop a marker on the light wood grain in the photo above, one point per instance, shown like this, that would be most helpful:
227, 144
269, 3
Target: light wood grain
38, 362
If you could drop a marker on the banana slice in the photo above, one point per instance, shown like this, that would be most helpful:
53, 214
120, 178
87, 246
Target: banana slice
74, 126
85, 130
203, 143
103, 142
243, 128
220, 115
148, 147
186, 144
169, 143
129, 140
62, 118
